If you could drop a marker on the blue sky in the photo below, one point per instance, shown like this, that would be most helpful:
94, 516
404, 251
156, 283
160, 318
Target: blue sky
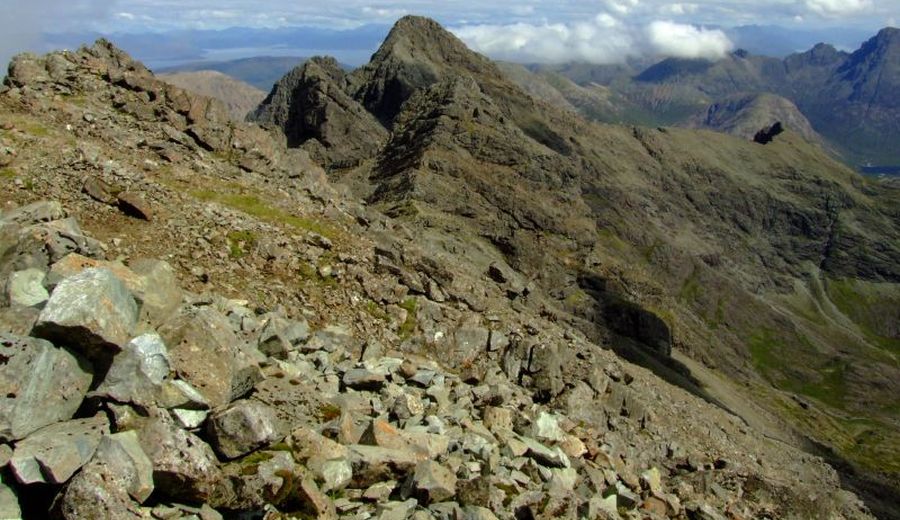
592, 30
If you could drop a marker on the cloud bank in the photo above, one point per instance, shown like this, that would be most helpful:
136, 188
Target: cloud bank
604, 39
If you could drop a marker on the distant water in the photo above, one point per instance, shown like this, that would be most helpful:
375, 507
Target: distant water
353, 57
880, 170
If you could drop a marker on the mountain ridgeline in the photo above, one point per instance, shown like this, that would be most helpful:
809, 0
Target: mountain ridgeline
694, 253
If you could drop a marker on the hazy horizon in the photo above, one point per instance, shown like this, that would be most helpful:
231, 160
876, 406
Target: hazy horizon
610, 31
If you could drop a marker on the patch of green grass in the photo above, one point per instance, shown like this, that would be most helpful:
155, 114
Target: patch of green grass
240, 243
256, 207
376, 311
867, 308
648, 251
576, 298
409, 325
609, 237
328, 412
771, 355
406, 208
37, 130
831, 388
257, 457
690, 288
7, 173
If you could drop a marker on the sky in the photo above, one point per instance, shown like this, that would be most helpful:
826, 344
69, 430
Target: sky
599, 31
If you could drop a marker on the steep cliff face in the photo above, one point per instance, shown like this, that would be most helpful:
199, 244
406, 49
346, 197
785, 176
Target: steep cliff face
730, 245
310, 106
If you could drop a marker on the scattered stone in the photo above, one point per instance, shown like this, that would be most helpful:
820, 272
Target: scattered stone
373, 464
431, 482
134, 205
363, 379
279, 336
544, 455
241, 428
336, 474
99, 190
546, 428
189, 419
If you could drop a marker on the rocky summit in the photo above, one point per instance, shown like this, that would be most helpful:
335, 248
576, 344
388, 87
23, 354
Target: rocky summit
416, 292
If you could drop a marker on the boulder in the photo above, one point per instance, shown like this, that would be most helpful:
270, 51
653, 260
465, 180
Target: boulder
184, 467
92, 312
112, 484
159, 293
39, 385
242, 427
54, 453
26, 288
9, 500
137, 373
372, 464
134, 205
152, 283
205, 352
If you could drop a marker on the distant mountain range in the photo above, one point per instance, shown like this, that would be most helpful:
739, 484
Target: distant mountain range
850, 99
261, 72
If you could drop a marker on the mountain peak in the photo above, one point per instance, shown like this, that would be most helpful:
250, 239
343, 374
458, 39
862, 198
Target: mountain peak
417, 38
417, 53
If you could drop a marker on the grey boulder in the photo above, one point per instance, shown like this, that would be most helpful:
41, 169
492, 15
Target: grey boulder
242, 427
26, 288
54, 453
112, 484
138, 372
39, 385
205, 353
184, 467
92, 312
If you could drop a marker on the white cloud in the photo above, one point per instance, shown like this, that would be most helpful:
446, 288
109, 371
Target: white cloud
621, 7
687, 41
678, 9
604, 39
832, 8
601, 40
